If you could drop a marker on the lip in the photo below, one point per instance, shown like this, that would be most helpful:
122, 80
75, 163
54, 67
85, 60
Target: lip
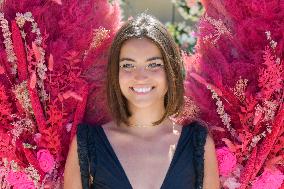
141, 93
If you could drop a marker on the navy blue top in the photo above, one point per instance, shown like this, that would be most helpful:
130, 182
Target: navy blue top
98, 159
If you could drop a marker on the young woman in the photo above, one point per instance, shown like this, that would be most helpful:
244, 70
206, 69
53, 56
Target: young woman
139, 149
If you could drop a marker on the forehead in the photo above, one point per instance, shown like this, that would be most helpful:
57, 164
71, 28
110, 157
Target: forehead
139, 48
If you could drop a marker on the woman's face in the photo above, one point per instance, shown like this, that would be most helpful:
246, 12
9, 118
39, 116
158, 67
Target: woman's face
142, 76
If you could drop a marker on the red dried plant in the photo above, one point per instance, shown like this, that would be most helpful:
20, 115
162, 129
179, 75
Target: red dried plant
239, 59
56, 45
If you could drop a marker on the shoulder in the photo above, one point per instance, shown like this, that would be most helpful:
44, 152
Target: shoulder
82, 131
203, 136
199, 128
211, 173
84, 128
86, 133
72, 176
205, 156
109, 125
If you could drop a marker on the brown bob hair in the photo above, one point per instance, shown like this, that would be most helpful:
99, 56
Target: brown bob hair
146, 26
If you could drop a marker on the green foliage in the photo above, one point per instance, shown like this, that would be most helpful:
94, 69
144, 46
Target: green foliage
190, 9
184, 32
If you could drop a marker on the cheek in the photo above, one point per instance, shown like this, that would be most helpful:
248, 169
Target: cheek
123, 80
165, 84
123, 77
162, 79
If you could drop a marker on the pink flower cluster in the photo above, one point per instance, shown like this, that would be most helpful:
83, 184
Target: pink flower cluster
226, 160
190, 3
271, 179
45, 160
20, 180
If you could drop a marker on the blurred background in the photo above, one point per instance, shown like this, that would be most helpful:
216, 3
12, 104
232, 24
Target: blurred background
180, 16
164, 10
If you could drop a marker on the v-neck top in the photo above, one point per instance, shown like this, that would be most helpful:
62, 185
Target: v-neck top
97, 159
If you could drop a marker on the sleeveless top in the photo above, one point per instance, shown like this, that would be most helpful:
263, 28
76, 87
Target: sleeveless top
98, 160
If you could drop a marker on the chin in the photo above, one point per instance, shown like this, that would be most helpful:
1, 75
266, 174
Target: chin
145, 104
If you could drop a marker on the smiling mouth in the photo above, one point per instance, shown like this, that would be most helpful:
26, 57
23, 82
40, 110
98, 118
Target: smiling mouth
141, 90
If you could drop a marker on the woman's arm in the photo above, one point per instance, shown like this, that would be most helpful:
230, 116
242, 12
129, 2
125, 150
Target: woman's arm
72, 175
211, 173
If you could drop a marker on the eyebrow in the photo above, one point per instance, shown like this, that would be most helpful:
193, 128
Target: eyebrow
128, 59
148, 60
154, 58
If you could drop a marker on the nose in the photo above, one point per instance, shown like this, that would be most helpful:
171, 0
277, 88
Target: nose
140, 74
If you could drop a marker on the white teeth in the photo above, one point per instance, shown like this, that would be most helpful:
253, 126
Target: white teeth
142, 90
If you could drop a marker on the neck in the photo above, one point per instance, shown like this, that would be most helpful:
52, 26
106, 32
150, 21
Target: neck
146, 116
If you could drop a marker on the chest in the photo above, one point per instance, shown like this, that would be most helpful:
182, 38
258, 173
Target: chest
145, 169
145, 161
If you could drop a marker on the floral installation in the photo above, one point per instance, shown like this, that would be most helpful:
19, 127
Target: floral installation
269, 179
11, 57
46, 160
50, 74
227, 161
39, 53
47, 71
237, 71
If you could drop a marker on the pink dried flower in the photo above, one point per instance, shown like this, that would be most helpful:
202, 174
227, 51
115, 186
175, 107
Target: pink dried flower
226, 160
28, 185
37, 138
193, 34
231, 183
45, 160
20, 180
271, 179
190, 3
